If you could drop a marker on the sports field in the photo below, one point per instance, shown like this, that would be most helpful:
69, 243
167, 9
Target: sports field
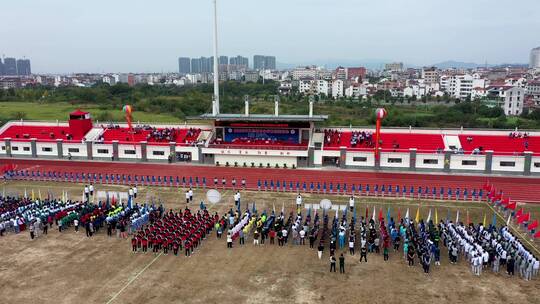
68, 267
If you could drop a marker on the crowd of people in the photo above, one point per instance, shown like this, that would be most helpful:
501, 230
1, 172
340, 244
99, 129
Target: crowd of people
174, 231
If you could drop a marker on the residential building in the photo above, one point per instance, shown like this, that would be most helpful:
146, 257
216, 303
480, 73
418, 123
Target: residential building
394, 67
10, 66
251, 76
340, 73
356, 74
23, 67
337, 88
285, 87
430, 75
239, 62
1, 67
534, 62
262, 62
184, 65
304, 72
458, 86
223, 60
323, 87
356, 90
306, 86
513, 101
533, 88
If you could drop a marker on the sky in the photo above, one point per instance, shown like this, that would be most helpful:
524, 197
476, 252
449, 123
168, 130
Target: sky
62, 36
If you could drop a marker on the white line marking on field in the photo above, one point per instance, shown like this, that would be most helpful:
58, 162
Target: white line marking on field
134, 278
515, 230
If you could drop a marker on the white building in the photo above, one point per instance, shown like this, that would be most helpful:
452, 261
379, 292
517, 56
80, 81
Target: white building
304, 72
337, 89
356, 90
306, 86
459, 86
323, 87
513, 101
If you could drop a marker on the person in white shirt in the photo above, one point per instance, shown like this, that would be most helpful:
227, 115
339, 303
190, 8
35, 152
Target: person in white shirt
190, 194
86, 193
187, 197
135, 192
302, 237
130, 192
351, 203
91, 188
76, 224
298, 201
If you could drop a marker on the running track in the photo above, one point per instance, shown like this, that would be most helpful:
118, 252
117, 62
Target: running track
522, 189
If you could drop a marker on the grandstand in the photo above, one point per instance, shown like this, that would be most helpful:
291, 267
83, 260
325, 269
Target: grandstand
284, 141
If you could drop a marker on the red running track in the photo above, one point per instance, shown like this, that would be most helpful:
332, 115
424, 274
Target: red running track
522, 189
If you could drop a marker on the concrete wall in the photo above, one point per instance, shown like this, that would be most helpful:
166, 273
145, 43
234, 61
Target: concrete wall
504, 163
158, 152
126, 152
356, 159
98, 147
535, 164
47, 149
66, 147
21, 148
459, 162
395, 160
427, 161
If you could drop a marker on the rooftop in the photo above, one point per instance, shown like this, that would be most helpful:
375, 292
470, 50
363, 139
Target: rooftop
261, 117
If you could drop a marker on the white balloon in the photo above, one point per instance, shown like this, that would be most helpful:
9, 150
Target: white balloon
213, 196
325, 204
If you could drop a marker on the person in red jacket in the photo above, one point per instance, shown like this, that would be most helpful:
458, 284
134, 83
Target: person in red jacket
144, 242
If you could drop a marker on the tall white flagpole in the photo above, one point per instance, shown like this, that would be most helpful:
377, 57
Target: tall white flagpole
215, 100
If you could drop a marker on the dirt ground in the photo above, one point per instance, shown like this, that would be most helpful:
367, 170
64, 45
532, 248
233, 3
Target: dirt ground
71, 268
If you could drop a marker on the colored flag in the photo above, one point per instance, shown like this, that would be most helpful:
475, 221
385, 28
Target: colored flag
524, 218
494, 220
33, 196
388, 215
283, 208
533, 225
508, 220
436, 216
25, 194
398, 214
373, 217
485, 219
519, 213
39, 194
468, 219
380, 214
366, 213
537, 235
429, 216
417, 218
457, 217
512, 206
407, 214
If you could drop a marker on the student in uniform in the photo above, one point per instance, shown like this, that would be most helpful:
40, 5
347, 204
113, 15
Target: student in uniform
332, 263
190, 192
341, 264
187, 197
134, 244
229, 240
135, 191
91, 189
351, 203
320, 250
243, 184
363, 254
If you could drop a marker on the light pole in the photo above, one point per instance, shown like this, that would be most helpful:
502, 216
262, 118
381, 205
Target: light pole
215, 99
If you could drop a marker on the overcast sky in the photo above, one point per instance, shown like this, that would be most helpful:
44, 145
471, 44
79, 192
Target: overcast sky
144, 36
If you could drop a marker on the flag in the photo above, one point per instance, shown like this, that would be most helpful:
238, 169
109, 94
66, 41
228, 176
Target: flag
457, 217
417, 218
533, 225
366, 213
468, 219
388, 215
380, 214
512, 206
508, 220
524, 218
494, 220
33, 196
63, 196
519, 213
407, 214
429, 216
283, 208
274, 207
436, 216
25, 194
398, 214
537, 235
337, 213
39, 194
373, 217
485, 219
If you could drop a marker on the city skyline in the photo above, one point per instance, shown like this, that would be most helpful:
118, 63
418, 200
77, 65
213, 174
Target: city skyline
123, 36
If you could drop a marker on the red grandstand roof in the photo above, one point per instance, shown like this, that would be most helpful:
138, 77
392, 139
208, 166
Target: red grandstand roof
78, 112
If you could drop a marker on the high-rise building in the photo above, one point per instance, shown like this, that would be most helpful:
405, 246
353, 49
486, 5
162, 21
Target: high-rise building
223, 60
261, 62
23, 67
10, 66
239, 61
1, 67
534, 62
196, 65
394, 67
184, 65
